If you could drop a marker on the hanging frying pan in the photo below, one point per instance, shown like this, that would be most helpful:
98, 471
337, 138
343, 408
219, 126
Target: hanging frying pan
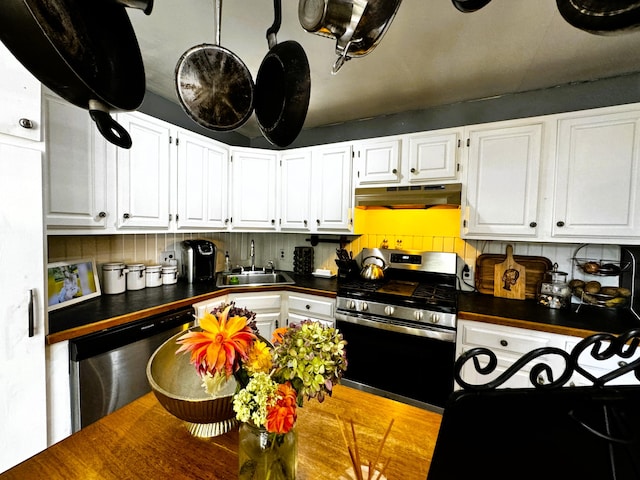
283, 87
214, 86
602, 17
468, 6
85, 51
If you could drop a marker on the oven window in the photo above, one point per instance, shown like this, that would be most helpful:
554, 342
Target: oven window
412, 366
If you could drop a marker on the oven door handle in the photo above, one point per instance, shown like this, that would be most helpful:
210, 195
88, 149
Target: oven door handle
433, 333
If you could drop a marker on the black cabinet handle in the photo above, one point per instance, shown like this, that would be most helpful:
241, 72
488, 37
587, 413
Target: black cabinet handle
25, 123
533, 224
504, 343
394, 171
126, 216
32, 313
560, 224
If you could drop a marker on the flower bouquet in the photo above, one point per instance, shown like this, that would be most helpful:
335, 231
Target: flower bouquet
303, 361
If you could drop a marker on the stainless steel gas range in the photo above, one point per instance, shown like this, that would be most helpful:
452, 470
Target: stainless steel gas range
401, 329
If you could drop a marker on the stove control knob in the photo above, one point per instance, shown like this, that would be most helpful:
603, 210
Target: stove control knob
388, 310
364, 306
418, 315
351, 304
435, 318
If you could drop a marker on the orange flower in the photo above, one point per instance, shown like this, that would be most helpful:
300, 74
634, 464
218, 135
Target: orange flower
278, 334
282, 415
221, 344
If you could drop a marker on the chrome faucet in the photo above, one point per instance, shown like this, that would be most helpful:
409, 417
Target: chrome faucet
252, 254
271, 266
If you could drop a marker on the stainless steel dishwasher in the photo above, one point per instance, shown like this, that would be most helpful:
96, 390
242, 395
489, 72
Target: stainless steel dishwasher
108, 368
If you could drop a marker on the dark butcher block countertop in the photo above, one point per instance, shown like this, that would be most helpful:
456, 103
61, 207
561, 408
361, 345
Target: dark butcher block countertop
112, 310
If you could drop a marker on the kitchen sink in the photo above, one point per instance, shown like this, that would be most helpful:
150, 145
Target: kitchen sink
253, 278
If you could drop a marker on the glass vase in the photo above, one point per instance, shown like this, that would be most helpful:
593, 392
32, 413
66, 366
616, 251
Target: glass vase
267, 456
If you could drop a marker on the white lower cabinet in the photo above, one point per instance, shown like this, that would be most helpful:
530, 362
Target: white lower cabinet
301, 307
511, 343
266, 305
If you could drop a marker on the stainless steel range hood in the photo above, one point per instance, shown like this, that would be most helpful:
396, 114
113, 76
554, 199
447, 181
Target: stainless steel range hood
414, 196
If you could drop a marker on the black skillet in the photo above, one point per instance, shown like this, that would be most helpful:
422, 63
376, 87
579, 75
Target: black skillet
85, 51
214, 86
283, 87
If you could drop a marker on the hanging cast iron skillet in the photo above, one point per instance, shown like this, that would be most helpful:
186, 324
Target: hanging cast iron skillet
602, 17
283, 87
214, 86
85, 51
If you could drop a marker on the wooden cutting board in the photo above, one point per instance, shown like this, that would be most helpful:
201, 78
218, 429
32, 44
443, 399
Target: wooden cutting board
535, 268
509, 278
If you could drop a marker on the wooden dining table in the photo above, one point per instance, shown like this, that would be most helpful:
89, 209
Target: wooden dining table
143, 441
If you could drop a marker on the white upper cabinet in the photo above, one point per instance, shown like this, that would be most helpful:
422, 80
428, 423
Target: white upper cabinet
202, 167
143, 173
295, 193
502, 180
597, 177
76, 175
254, 189
332, 188
418, 158
20, 115
432, 156
378, 161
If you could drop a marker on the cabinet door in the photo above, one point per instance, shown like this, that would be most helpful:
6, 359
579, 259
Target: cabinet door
378, 162
295, 192
333, 193
23, 409
502, 181
253, 189
21, 103
76, 167
143, 173
202, 182
597, 177
433, 156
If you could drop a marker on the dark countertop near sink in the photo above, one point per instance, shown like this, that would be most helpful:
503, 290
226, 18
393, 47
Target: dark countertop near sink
112, 310
108, 311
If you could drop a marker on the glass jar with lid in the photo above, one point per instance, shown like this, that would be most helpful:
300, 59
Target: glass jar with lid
554, 290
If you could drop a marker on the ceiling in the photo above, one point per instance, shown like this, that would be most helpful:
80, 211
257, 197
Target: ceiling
431, 55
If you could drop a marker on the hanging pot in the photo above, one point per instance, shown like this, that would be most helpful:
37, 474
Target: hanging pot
283, 87
214, 86
372, 271
357, 25
468, 6
602, 17
71, 47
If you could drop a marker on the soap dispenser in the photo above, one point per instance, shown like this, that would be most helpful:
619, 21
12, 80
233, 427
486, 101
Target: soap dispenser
227, 262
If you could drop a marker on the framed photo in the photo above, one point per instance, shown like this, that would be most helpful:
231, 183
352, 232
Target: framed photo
71, 282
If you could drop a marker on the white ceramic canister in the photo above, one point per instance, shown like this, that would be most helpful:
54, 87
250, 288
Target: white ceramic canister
169, 275
153, 276
135, 276
113, 278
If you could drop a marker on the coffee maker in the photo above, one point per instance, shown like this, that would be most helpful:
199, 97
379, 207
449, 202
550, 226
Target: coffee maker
198, 260
630, 275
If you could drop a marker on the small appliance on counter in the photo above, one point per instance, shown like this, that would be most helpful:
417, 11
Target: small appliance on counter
198, 260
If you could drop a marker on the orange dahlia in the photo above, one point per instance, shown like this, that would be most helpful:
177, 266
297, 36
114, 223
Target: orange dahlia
282, 415
221, 344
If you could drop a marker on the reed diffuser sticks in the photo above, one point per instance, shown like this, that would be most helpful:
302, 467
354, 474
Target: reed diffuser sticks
354, 453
